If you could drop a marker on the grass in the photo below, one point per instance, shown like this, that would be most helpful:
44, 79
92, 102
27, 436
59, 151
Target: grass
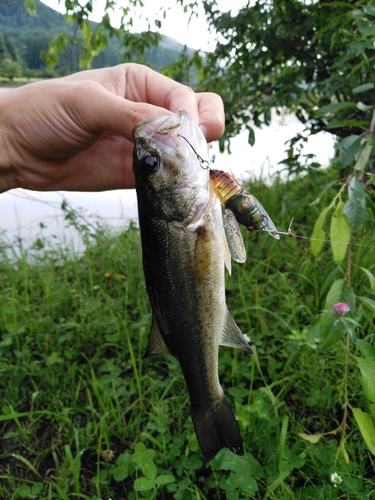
83, 415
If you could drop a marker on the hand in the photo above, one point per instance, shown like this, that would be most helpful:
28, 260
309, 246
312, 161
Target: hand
75, 133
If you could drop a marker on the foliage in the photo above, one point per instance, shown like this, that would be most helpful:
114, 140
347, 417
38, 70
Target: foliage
306, 57
64, 41
83, 415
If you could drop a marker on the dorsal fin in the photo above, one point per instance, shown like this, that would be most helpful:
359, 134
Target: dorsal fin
232, 335
156, 345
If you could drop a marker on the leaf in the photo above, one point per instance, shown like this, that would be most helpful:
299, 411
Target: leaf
364, 154
366, 428
367, 369
366, 349
148, 467
340, 291
369, 303
363, 88
312, 438
333, 333
339, 234
26, 462
356, 213
370, 276
251, 136
349, 148
369, 9
244, 483
319, 233
363, 107
334, 107
143, 484
165, 479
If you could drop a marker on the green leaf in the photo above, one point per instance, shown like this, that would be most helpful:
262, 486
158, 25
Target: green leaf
356, 213
349, 148
143, 484
312, 438
165, 479
366, 428
333, 333
364, 154
243, 483
369, 9
26, 462
340, 233
367, 369
251, 136
30, 7
363, 107
363, 88
334, 107
319, 233
37, 488
24, 491
366, 349
369, 303
370, 276
340, 291
347, 123
148, 467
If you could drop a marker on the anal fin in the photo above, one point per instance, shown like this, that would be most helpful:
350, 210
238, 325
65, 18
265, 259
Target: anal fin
232, 335
156, 345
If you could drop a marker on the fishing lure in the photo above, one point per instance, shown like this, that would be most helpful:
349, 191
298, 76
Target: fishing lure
245, 207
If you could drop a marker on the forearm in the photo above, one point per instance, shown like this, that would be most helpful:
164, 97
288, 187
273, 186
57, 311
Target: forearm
8, 178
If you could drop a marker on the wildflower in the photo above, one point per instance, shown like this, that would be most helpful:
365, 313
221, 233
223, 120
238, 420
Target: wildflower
107, 455
340, 309
335, 479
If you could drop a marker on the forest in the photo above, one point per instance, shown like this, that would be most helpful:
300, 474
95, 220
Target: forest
26, 34
82, 413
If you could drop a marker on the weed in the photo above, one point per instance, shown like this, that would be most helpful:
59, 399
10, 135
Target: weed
83, 415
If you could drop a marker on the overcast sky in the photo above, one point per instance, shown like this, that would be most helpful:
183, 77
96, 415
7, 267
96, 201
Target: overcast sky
195, 33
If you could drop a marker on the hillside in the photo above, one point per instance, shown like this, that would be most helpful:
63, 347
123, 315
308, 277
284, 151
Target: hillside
24, 36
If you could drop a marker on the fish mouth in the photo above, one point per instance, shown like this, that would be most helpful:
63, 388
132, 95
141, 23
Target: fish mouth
159, 125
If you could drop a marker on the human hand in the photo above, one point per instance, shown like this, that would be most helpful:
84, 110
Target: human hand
75, 133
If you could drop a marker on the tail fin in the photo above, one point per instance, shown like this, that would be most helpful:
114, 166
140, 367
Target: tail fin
216, 428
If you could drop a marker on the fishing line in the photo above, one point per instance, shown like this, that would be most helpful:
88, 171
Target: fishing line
200, 159
291, 235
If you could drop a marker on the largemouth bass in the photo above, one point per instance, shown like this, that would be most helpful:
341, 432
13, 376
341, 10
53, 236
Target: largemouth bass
183, 251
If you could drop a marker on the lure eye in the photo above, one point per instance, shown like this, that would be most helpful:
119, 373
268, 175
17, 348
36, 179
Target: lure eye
150, 161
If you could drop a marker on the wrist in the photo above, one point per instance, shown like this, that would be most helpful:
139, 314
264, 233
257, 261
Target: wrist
8, 179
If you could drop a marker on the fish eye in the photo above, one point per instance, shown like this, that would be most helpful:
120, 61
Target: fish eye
150, 161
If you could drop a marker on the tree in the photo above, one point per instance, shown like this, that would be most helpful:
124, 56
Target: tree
4, 54
295, 55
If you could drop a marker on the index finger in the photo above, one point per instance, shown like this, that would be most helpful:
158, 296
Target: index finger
206, 108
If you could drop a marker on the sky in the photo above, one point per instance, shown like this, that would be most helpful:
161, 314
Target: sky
193, 32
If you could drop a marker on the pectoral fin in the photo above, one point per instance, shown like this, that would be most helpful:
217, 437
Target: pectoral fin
232, 335
156, 345
234, 237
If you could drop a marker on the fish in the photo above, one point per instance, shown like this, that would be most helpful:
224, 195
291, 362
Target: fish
183, 253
